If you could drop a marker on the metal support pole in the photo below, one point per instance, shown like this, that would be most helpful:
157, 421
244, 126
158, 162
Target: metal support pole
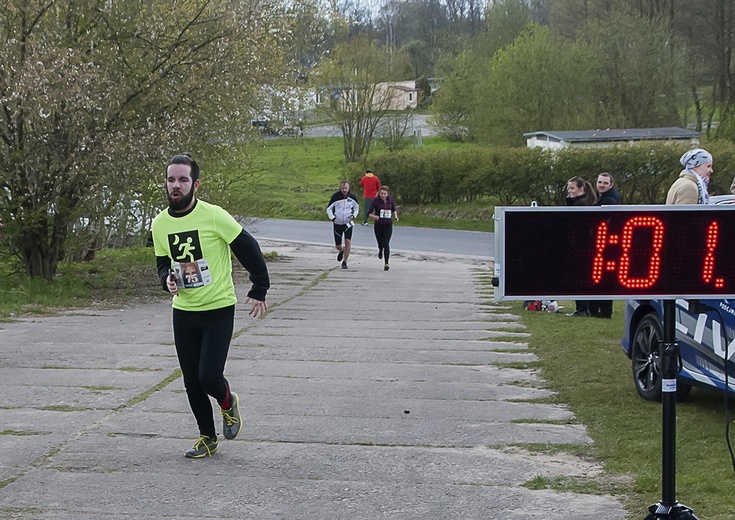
668, 507
669, 358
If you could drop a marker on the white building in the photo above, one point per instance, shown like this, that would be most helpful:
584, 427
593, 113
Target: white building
556, 140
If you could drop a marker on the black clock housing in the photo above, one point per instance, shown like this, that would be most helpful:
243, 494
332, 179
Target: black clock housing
614, 252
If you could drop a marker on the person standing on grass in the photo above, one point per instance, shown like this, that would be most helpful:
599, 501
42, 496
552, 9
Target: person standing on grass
383, 211
607, 195
580, 193
193, 241
342, 210
692, 186
370, 185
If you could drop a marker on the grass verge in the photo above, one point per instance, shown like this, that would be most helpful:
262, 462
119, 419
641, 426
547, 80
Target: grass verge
113, 278
583, 362
294, 179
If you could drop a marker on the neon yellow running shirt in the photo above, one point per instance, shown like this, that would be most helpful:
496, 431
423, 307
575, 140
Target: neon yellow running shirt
198, 246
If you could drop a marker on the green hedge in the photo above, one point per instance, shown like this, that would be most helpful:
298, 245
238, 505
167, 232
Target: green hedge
518, 176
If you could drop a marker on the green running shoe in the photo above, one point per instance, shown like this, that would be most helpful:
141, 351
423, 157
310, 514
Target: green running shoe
203, 447
231, 419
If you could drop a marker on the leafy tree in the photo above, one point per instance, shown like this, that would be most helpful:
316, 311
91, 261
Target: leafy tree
466, 15
424, 86
417, 27
506, 19
464, 74
96, 94
636, 74
703, 31
452, 102
618, 72
351, 18
356, 75
307, 37
536, 83
567, 16
540, 10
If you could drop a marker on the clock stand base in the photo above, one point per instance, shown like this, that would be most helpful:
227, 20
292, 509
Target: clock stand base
675, 512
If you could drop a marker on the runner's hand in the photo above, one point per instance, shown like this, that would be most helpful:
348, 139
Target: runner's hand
258, 308
171, 284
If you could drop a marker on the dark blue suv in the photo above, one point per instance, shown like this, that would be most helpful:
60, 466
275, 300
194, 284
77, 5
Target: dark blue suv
705, 330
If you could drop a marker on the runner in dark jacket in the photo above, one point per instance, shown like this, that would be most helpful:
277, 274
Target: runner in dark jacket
383, 211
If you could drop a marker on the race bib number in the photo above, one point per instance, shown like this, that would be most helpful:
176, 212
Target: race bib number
385, 213
190, 275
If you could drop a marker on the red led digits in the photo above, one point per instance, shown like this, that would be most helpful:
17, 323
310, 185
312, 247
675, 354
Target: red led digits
598, 261
708, 269
654, 264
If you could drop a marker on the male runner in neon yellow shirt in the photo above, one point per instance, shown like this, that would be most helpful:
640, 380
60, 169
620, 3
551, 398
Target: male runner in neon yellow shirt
192, 241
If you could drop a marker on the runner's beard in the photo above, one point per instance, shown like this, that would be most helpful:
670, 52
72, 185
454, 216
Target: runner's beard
182, 203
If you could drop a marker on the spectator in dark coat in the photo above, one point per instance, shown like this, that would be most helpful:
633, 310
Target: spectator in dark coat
607, 195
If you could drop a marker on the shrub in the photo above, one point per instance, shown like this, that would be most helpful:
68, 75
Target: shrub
643, 172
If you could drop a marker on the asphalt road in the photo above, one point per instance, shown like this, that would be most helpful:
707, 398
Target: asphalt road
418, 122
472, 244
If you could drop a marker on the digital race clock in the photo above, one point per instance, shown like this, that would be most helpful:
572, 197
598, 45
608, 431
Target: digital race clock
614, 252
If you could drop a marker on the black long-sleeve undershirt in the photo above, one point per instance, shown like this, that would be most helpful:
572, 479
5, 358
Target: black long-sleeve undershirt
247, 251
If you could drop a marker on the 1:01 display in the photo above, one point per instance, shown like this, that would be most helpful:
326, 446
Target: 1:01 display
656, 228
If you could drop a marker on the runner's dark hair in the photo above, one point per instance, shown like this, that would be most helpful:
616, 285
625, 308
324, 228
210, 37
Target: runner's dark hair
185, 158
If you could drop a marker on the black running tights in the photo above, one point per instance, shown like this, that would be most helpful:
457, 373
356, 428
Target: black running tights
202, 342
383, 235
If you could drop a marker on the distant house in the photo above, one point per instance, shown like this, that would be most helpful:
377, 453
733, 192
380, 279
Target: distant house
402, 94
388, 95
283, 104
556, 140
292, 103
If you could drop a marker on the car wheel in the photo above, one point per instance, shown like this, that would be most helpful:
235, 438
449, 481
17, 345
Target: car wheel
646, 360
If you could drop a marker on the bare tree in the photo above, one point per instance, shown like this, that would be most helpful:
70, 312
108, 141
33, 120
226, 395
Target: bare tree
707, 29
393, 130
356, 77
421, 28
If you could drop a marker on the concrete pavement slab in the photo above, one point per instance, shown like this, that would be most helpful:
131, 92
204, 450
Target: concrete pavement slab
414, 355
408, 389
256, 340
367, 394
